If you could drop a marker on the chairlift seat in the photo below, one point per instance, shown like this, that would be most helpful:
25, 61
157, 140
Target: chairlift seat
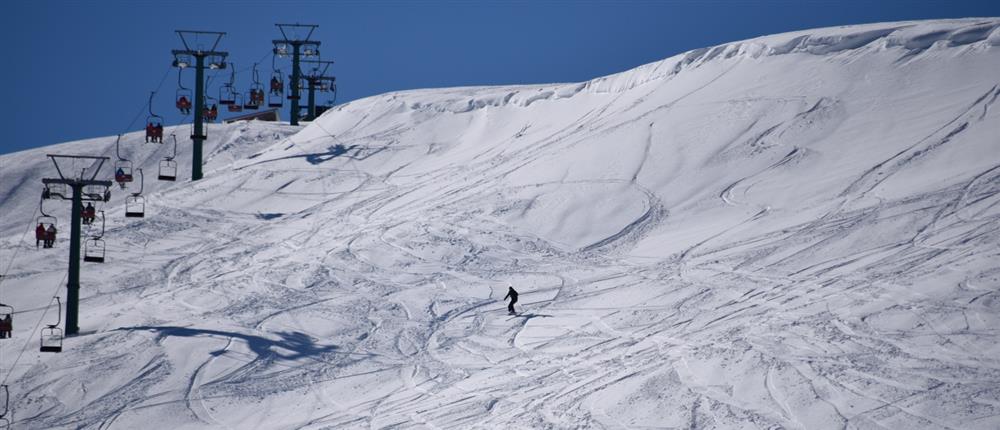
94, 250
93, 259
51, 339
135, 207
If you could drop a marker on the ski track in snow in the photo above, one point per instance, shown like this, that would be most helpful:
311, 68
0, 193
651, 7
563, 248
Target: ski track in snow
796, 231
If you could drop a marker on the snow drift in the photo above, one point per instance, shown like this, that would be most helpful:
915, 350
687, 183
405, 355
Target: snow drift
793, 231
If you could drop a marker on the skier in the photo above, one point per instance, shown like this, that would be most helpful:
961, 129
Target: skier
158, 133
40, 234
120, 175
513, 299
150, 132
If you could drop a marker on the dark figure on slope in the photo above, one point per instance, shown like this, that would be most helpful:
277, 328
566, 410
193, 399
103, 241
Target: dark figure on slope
513, 299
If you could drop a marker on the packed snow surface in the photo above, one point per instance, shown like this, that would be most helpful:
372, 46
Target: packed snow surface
795, 231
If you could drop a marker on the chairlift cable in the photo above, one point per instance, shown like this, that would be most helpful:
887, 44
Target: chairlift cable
16, 250
143, 108
29, 339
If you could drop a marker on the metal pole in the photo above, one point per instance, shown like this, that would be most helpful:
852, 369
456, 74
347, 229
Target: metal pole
73, 286
199, 107
312, 100
296, 75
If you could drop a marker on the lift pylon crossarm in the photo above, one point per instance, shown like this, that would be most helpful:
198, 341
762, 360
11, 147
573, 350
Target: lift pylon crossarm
311, 27
218, 37
95, 167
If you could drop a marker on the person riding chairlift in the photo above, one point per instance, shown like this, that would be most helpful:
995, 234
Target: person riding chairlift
184, 105
276, 85
40, 234
120, 175
50, 236
158, 133
150, 132
89, 214
6, 326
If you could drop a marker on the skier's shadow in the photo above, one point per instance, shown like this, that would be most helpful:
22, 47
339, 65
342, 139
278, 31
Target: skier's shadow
332, 152
530, 316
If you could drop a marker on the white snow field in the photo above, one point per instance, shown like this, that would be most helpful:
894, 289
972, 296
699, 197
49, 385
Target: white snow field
796, 231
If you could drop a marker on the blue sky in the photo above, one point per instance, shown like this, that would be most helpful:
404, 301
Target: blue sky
78, 69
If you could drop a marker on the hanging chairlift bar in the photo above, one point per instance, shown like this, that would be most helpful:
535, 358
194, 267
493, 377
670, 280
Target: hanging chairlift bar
52, 335
168, 167
93, 248
135, 205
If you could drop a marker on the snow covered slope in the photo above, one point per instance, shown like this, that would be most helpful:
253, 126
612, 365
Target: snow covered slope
795, 231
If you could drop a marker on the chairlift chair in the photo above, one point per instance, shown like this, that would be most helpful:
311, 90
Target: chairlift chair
281, 49
237, 104
275, 100
94, 191
51, 339
207, 113
216, 62
276, 87
168, 167
182, 60
310, 50
135, 204
52, 335
183, 100
123, 167
52, 191
255, 97
254, 104
46, 221
93, 250
168, 170
227, 94
6, 320
154, 123
123, 172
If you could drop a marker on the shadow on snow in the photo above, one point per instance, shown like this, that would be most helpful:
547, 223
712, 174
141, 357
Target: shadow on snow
300, 344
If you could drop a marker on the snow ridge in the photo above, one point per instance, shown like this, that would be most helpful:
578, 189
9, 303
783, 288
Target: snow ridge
795, 231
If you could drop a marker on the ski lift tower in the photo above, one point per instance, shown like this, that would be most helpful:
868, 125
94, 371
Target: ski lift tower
84, 187
316, 79
216, 60
299, 47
